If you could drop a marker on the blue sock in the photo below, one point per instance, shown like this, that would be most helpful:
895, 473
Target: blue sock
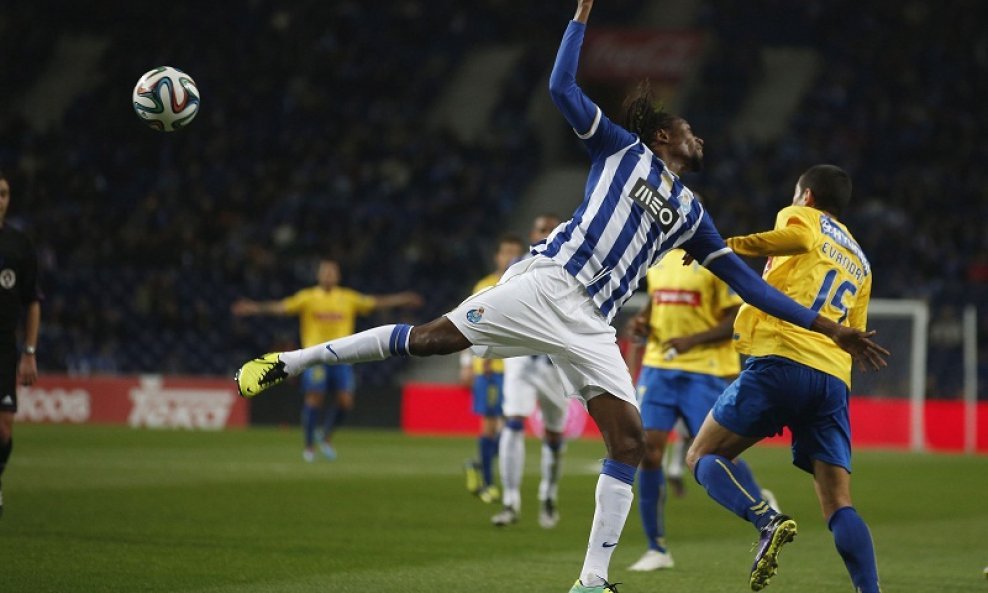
651, 500
334, 419
853, 541
488, 451
717, 475
742, 471
309, 416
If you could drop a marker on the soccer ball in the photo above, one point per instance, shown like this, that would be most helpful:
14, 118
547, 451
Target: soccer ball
166, 99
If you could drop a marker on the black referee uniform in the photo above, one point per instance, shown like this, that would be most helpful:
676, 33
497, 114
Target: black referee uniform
18, 289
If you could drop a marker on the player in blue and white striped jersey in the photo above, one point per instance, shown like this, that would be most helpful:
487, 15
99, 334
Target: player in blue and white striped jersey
560, 302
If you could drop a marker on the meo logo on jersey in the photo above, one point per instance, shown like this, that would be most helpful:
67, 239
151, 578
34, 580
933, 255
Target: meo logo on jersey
655, 205
475, 315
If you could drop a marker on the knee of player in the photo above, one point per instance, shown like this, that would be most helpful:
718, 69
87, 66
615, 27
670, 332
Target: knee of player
652, 458
553, 439
628, 446
692, 457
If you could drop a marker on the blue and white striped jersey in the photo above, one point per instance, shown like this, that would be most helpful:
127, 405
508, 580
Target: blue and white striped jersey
634, 210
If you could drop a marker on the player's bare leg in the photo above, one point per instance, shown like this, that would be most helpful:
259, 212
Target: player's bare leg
439, 336
621, 426
651, 503
851, 534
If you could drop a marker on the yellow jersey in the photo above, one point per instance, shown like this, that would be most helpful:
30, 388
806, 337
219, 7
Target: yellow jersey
485, 365
816, 262
687, 300
325, 315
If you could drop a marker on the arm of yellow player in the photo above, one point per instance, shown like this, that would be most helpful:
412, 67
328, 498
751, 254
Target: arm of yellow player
246, 307
398, 299
792, 239
718, 333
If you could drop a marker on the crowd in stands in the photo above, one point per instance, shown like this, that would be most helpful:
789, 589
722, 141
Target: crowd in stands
314, 139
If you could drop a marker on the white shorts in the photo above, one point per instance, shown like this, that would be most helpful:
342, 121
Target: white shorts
538, 308
528, 379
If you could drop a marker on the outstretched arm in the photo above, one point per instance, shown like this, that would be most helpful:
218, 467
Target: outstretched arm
398, 299
792, 239
576, 107
245, 307
599, 134
707, 246
752, 289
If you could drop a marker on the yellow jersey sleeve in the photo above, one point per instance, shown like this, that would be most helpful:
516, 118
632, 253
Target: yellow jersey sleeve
832, 277
792, 237
362, 304
296, 303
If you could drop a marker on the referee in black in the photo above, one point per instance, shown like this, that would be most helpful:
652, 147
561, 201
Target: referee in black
18, 291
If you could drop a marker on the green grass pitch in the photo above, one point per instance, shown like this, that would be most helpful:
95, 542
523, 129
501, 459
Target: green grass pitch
114, 509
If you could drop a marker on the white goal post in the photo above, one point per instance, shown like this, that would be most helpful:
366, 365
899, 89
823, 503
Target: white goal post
903, 328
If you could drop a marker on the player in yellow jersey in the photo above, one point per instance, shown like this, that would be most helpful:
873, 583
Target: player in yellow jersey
688, 360
793, 379
326, 311
485, 378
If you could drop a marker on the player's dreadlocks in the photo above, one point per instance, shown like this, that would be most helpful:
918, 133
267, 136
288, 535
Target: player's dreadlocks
643, 116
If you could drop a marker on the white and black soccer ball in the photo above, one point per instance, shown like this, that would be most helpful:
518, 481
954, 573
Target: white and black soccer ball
166, 99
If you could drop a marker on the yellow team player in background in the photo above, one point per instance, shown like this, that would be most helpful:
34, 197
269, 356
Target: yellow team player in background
326, 311
792, 379
485, 379
689, 361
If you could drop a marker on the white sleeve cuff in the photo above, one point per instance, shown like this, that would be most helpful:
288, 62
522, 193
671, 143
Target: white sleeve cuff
593, 127
715, 255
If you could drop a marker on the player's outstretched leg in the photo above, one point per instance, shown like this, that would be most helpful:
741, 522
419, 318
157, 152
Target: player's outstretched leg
436, 337
620, 424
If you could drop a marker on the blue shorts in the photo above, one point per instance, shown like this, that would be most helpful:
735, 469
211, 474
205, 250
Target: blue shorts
328, 378
773, 392
488, 394
665, 395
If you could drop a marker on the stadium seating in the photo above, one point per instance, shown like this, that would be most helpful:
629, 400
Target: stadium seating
313, 139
